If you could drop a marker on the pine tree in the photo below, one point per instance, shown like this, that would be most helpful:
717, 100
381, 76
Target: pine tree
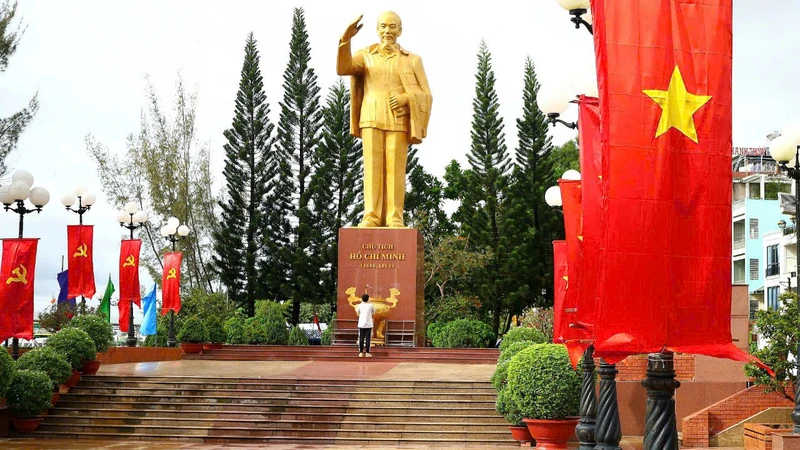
337, 186
424, 207
249, 168
298, 138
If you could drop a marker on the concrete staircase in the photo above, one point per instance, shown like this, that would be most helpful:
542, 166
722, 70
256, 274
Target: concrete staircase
333, 353
235, 410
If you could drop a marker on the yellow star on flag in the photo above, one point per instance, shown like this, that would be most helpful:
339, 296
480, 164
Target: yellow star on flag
677, 106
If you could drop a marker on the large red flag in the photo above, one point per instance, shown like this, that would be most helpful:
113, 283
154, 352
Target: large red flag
573, 227
80, 278
128, 280
16, 288
664, 73
171, 283
560, 323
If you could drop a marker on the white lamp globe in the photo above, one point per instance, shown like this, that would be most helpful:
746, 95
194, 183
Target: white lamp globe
67, 200
183, 230
164, 231
782, 150
131, 207
171, 230
552, 196
173, 222
24, 176
140, 217
88, 199
571, 174
19, 191
569, 5
553, 98
39, 196
5, 195
123, 217
81, 190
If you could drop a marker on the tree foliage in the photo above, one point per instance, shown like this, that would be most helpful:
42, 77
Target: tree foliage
778, 329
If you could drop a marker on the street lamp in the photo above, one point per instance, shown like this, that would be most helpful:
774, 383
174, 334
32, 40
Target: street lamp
553, 101
174, 233
131, 218
85, 201
577, 9
785, 149
15, 194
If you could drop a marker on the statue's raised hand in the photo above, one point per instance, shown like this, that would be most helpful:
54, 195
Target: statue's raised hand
352, 29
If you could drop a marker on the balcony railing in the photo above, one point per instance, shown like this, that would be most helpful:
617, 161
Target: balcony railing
789, 229
738, 244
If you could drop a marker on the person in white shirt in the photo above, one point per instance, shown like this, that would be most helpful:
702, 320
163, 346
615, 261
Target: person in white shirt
365, 310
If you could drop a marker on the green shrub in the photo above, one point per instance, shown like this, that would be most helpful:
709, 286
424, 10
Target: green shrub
76, 346
297, 337
508, 409
463, 333
7, 368
500, 376
46, 360
277, 333
255, 332
267, 310
543, 384
327, 336
518, 334
101, 332
234, 331
193, 331
512, 349
162, 333
216, 333
30, 393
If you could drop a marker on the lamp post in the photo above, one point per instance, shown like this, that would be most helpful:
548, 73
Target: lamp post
15, 194
553, 101
577, 9
85, 201
785, 149
174, 233
131, 218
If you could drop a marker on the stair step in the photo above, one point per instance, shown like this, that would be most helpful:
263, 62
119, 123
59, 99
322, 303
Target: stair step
279, 394
287, 381
274, 387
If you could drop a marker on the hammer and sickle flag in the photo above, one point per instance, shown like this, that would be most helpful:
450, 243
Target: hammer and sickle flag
171, 283
129, 278
80, 280
16, 288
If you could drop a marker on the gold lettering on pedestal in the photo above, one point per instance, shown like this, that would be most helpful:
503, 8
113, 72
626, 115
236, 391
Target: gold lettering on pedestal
371, 256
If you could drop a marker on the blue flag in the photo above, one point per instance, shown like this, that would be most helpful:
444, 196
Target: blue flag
62, 294
149, 308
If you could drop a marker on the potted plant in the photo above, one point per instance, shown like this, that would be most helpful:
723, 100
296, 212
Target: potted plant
28, 396
546, 389
504, 405
76, 346
101, 333
216, 333
193, 335
7, 368
49, 361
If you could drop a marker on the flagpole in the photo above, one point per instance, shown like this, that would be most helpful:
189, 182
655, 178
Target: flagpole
85, 201
131, 218
174, 233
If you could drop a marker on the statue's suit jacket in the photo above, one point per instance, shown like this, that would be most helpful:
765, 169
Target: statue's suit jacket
414, 80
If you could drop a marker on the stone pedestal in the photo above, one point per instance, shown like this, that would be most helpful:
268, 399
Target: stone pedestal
786, 442
387, 264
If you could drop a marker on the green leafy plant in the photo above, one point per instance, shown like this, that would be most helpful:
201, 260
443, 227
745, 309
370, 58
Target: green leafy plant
511, 350
30, 393
542, 383
234, 331
778, 329
255, 332
463, 333
500, 376
193, 331
46, 360
7, 368
101, 332
162, 333
518, 334
327, 336
297, 337
268, 310
508, 409
216, 332
277, 333
76, 346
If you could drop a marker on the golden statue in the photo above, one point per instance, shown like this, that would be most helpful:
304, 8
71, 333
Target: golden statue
390, 106
382, 308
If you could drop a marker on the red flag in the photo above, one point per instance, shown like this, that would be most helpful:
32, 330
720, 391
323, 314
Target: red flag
81, 270
560, 276
128, 280
16, 288
664, 73
171, 283
573, 227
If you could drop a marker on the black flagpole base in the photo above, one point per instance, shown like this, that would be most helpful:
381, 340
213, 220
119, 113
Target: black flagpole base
661, 430
131, 341
171, 342
585, 430
609, 430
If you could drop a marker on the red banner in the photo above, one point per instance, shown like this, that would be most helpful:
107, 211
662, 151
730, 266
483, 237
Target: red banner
171, 283
16, 288
80, 278
573, 227
664, 73
560, 324
128, 280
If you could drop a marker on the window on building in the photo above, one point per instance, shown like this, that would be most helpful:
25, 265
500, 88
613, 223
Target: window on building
754, 269
773, 266
772, 189
738, 234
754, 190
753, 228
739, 272
772, 298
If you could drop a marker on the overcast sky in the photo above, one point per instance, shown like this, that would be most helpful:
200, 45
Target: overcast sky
88, 61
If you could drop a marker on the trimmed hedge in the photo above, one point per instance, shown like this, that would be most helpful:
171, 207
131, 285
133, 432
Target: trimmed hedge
508, 409
519, 334
327, 336
298, 337
193, 331
7, 368
30, 393
463, 333
76, 346
101, 332
46, 360
234, 331
255, 332
543, 384
216, 332
511, 350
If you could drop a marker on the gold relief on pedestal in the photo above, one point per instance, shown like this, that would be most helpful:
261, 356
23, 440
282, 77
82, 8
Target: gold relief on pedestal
383, 306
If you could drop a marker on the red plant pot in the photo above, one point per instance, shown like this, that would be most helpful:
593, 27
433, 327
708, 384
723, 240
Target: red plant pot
74, 379
551, 434
212, 346
521, 434
26, 425
90, 367
55, 398
191, 347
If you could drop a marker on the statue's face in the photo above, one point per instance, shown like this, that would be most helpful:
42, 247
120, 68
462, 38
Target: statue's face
389, 28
